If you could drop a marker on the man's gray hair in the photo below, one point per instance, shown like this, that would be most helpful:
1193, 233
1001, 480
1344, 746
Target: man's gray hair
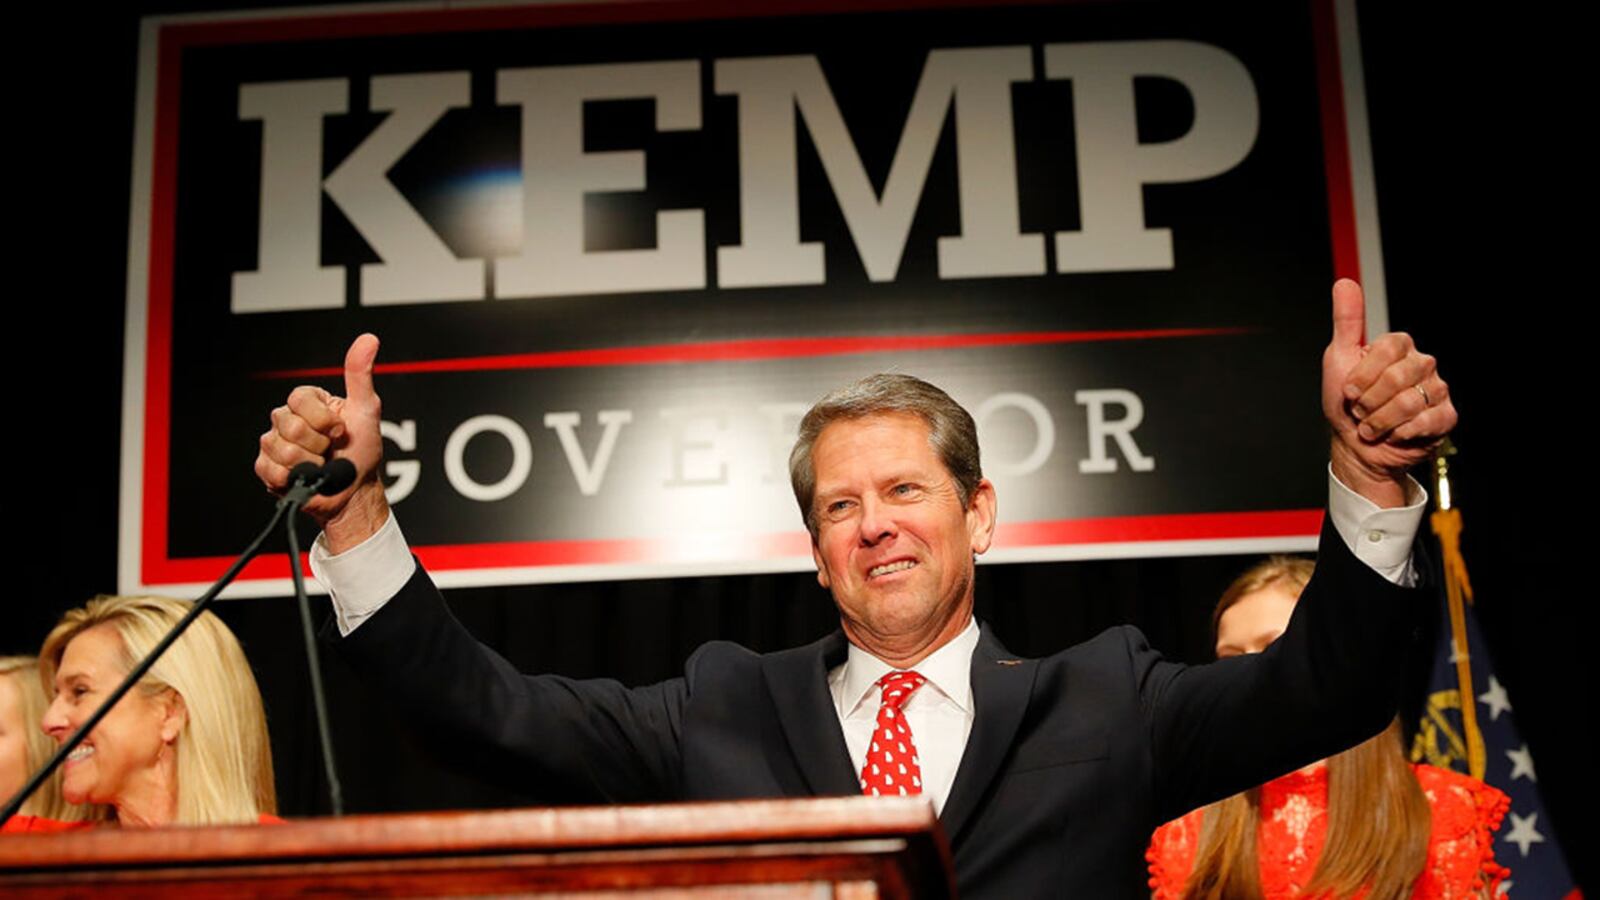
951, 431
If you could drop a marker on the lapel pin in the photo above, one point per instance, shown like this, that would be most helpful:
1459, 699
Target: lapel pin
1009, 662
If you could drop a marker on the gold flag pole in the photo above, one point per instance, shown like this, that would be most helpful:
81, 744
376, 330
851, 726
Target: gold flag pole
1446, 522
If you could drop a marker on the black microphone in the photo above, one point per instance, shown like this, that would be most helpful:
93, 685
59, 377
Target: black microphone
336, 476
304, 473
307, 478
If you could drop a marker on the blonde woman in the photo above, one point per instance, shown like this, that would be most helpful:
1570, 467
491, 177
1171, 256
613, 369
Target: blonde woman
188, 745
1363, 823
24, 747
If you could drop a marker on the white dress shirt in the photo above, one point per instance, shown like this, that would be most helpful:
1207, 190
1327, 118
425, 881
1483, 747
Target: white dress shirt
362, 579
939, 714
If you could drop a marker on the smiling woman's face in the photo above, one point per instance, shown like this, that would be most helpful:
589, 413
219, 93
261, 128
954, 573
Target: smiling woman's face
119, 759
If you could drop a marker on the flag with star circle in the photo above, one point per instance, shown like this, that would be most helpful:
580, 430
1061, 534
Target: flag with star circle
1525, 843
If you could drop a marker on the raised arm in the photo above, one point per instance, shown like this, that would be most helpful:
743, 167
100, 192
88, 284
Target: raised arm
1331, 680
557, 738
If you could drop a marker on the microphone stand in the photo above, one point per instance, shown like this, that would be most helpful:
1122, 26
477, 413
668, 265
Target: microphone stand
314, 665
305, 479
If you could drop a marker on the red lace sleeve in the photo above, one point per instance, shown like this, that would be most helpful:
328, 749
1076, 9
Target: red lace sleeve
1466, 813
1171, 855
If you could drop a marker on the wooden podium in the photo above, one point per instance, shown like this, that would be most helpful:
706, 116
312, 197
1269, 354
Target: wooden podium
847, 847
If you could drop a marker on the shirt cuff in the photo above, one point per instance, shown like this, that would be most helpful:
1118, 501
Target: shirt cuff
362, 579
1381, 538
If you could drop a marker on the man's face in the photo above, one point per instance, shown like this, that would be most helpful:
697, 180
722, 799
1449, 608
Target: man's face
894, 543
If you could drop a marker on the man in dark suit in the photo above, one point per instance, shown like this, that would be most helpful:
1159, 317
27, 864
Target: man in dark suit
1048, 774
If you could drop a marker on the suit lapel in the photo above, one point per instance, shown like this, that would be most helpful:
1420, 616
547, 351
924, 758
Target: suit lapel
1001, 685
798, 682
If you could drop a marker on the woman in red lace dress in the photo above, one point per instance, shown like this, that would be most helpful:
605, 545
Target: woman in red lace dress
1364, 823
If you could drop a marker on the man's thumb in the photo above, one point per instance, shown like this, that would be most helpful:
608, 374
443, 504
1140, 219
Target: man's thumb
1349, 315
358, 363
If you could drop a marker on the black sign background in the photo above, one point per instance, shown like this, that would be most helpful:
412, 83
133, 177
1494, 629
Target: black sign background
1230, 417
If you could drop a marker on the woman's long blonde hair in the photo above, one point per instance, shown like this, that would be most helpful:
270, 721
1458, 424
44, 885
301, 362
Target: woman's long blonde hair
224, 756
46, 802
1378, 817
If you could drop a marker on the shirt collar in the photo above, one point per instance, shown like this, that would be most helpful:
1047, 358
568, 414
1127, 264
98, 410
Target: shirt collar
949, 669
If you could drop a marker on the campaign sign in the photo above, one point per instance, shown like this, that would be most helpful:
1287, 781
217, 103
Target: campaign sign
615, 250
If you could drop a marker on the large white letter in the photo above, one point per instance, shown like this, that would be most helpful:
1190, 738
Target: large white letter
417, 267
682, 421
783, 423
1120, 429
1113, 167
1044, 429
289, 273
556, 174
770, 88
521, 458
589, 476
405, 472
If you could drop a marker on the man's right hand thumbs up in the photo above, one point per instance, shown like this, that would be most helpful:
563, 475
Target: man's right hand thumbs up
316, 426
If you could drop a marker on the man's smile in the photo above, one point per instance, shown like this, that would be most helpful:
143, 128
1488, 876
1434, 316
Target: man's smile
889, 568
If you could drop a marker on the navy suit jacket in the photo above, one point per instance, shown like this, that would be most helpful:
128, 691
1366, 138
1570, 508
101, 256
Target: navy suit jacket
1072, 761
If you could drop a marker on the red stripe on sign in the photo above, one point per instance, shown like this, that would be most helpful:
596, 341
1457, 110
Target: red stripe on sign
1175, 527
1335, 142
786, 545
207, 569
158, 321
446, 557
647, 551
758, 349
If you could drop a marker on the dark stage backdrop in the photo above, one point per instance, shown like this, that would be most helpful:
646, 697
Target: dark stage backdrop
1466, 131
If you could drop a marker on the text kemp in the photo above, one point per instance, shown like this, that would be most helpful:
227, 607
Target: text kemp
775, 95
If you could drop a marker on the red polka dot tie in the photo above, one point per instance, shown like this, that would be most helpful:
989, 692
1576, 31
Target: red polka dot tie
892, 766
